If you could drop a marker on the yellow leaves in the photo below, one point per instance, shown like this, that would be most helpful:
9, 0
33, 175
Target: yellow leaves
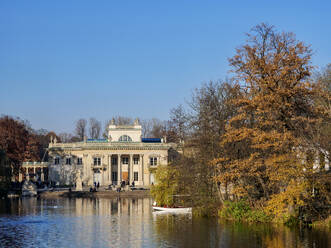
166, 186
294, 195
218, 161
276, 115
282, 168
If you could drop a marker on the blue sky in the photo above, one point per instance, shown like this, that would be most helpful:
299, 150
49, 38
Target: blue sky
65, 60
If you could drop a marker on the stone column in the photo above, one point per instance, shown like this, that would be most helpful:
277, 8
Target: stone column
142, 169
42, 176
119, 171
109, 167
131, 169
20, 177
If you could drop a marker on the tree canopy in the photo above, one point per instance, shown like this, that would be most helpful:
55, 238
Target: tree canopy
17, 142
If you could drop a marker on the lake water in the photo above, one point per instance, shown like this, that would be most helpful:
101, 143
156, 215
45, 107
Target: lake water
32, 222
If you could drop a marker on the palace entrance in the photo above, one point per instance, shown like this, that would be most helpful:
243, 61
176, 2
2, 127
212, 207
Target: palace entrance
125, 176
97, 177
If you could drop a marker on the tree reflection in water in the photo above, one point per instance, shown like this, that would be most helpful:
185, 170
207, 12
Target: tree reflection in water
129, 222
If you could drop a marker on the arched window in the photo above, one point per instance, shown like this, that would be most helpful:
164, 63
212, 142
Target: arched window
125, 138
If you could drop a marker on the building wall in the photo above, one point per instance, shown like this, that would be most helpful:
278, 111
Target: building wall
64, 174
115, 132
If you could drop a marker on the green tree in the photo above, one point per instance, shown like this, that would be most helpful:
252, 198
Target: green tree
166, 185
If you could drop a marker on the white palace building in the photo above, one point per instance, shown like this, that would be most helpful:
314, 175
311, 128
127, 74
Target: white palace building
123, 156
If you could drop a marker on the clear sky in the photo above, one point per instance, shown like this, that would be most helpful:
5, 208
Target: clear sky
65, 60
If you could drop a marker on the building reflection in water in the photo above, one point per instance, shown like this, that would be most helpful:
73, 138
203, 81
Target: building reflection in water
129, 222
120, 221
95, 222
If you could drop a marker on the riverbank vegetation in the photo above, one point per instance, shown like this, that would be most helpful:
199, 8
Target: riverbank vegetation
256, 147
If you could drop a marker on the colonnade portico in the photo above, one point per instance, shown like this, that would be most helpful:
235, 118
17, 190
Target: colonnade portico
33, 168
116, 165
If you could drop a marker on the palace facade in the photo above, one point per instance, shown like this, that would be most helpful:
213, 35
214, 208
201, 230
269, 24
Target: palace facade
123, 156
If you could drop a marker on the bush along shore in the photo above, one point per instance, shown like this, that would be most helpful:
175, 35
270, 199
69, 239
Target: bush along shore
240, 211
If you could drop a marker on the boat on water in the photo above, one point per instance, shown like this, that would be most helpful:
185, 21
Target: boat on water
182, 210
167, 209
12, 195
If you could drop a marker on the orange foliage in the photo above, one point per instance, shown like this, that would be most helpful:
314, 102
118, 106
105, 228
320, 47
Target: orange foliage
276, 120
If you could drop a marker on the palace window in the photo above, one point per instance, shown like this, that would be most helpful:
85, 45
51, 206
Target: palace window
114, 176
57, 161
114, 161
68, 161
153, 161
96, 161
135, 176
125, 138
125, 160
135, 160
79, 161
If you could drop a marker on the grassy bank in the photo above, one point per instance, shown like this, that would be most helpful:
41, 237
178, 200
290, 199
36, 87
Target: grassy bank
240, 211
323, 223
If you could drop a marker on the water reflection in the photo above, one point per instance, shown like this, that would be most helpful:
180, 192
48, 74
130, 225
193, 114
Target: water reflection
69, 222
129, 222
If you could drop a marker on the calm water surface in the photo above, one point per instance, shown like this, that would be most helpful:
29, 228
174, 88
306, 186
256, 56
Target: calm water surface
32, 222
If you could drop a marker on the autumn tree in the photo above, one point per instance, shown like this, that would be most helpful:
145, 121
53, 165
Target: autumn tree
53, 135
116, 120
122, 120
177, 126
153, 128
265, 142
17, 142
323, 137
75, 139
31, 152
80, 129
167, 185
198, 131
65, 137
94, 128
146, 127
208, 115
43, 138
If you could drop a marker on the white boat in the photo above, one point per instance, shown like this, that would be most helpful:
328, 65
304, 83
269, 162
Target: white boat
180, 210
12, 195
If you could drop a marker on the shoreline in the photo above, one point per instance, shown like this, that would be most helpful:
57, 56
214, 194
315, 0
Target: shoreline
99, 194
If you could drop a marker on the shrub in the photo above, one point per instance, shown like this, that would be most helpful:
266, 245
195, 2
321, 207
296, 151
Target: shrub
241, 211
